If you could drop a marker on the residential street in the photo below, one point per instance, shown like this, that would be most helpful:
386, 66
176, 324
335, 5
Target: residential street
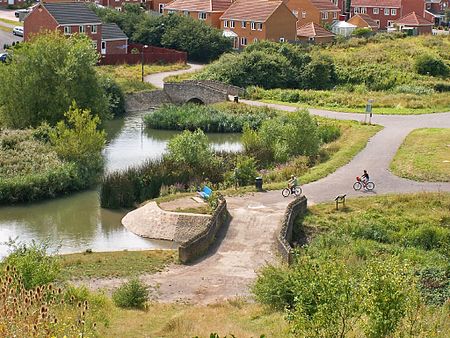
7, 38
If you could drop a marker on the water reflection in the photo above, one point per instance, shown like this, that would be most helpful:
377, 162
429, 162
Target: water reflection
77, 222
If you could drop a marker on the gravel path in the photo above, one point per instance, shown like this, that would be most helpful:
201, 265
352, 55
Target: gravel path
249, 241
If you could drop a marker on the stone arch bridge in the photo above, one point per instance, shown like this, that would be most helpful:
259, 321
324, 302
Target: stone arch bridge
201, 92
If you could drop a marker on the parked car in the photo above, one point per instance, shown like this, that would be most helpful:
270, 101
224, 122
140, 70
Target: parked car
18, 30
24, 10
3, 57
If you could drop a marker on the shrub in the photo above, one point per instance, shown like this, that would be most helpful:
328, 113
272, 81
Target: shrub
32, 263
133, 294
115, 96
431, 65
362, 32
245, 171
320, 73
329, 133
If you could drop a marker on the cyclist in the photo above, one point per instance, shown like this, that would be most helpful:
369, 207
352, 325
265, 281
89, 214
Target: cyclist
292, 183
365, 177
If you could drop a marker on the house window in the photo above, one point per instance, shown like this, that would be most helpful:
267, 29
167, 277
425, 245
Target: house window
386, 11
243, 41
161, 8
334, 15
67, 30
282, 40
324, 15
376, 11
311, 38
225, 23
202, 16
393, 11
94, 44
253, 26
81, 29
378, 23
303, 15
389, 23
94, 29
186, 13
355, 10
231, 24
363, 10
171, 11
295, 13
244, 24
119, 9
259, 26
255, 40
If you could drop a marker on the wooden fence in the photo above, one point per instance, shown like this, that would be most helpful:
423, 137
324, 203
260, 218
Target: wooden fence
149, 55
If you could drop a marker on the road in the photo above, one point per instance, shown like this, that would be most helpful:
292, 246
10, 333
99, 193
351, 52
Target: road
7, 38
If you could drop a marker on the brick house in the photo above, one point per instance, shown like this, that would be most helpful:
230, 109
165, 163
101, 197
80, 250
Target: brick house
414, 24
313, 33
435, 11
364, 21
248, 21
385, 12
76, 17
320, 12
208, 11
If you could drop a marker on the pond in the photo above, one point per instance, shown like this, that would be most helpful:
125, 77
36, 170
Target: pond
76, 222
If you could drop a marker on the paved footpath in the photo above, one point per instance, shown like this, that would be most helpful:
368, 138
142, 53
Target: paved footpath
249, 241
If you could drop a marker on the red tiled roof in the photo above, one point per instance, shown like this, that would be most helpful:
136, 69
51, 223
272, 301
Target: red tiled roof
199, 5
251, 10
313, 30
325, 5
377, 3
412, 19
367, 19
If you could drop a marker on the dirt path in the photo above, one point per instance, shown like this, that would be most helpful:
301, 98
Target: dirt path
249, 240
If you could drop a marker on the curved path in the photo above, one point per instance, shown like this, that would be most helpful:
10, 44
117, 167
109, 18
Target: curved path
249, 241
157, 79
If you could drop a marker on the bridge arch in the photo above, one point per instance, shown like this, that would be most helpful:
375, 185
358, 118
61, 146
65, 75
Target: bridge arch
196, 100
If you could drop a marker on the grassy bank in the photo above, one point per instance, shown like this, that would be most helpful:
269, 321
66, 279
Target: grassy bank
181, 320
349, 102
128, 77
11, 22
379, 267
115, 264
424, 156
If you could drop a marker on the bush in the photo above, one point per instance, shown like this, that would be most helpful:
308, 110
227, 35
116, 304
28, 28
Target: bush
115, 96
133, 294
245, 171
32, 263
431, 65
329, 133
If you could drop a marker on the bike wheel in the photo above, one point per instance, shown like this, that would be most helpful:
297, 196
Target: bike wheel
357, 186
297, 191
286, 192
370, 186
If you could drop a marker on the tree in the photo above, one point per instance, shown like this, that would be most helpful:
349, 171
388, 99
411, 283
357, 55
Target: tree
46, 75
201, 41
78, 140
191, 149
320, 73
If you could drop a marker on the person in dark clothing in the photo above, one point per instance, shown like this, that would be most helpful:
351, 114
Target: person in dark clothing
365, 176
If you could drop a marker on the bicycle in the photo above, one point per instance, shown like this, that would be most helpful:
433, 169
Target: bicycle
368, 185
297, 191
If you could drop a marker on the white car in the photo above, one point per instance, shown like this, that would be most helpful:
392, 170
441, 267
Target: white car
18, 30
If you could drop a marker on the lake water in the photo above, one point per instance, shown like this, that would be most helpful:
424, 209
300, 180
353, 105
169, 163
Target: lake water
76, 222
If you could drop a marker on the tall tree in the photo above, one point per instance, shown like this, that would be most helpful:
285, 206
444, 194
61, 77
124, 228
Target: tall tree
45, 75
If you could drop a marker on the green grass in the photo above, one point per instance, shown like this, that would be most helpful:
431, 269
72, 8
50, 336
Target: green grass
182, 77
115, 264
6, 29
424, 156
129, 76
11, 22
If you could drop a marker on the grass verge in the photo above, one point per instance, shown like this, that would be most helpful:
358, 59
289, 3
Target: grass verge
361, 110
6, 29
181, 320
182, 77
11, 22
129, 79
115, 264
424, 156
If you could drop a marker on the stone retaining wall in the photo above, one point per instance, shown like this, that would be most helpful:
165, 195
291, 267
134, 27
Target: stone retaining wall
197, 246
295, 208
